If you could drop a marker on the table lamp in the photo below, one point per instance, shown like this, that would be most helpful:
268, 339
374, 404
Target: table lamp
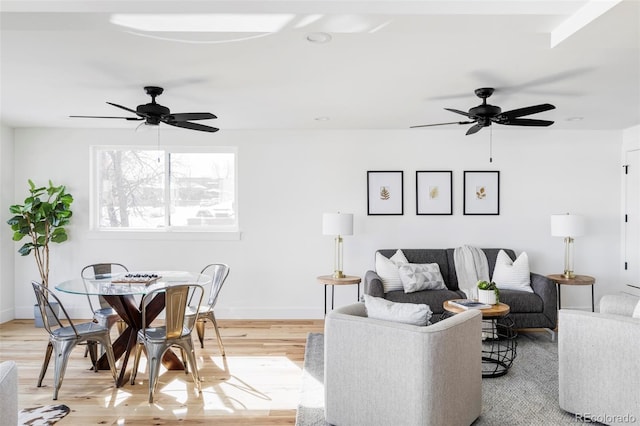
567, 226
337, 224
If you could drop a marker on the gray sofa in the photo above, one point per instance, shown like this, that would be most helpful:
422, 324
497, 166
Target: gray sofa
528, 310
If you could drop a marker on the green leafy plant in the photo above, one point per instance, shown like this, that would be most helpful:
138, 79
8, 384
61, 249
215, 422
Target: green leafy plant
486, 285
42, 218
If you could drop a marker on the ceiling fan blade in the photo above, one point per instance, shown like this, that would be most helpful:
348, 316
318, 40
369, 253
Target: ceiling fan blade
527, 122
474, 129
457, 111
189, 116
514, 113
127, 109
192, 126
441, 124
97, 116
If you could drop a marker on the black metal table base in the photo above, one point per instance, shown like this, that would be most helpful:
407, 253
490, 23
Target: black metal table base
498, 346
332, 296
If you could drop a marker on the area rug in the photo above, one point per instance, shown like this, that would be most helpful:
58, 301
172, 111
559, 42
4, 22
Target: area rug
526, 395
42, 416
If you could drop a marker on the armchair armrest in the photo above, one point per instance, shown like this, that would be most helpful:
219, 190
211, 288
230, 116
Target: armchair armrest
548, 292
373, 284
599, 367
618, 304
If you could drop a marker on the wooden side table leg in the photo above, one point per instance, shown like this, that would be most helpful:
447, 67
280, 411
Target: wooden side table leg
333, 288
325, 300
559, 296
593, 304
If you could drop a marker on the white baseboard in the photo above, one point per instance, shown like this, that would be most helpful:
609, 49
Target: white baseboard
7, 315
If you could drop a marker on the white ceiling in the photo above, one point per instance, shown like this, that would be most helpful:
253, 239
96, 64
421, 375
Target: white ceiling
390, 64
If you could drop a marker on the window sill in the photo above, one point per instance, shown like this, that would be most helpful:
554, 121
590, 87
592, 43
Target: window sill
165, 235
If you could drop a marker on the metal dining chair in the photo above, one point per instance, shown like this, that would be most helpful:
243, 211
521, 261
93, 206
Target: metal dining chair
175, 332
105, 314
218, 273
62, 339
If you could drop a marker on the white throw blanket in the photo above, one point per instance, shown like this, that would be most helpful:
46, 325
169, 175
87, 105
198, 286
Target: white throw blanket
471, 266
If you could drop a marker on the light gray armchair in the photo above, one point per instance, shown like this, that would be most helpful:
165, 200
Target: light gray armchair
388, 373
599, 361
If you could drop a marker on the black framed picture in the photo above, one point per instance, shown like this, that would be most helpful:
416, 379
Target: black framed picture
434, 192
385, 193
481, 192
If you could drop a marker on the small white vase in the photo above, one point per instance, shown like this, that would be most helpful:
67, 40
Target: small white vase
487, 296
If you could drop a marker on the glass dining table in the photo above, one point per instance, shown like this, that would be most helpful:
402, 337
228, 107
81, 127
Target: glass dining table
120, 291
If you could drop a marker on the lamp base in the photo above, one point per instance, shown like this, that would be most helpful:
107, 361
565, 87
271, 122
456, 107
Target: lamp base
338, 274
569, 274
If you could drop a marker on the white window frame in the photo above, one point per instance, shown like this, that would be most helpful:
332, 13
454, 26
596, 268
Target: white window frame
222, 232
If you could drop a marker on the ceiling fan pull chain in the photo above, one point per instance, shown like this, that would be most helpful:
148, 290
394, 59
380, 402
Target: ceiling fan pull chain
490, 144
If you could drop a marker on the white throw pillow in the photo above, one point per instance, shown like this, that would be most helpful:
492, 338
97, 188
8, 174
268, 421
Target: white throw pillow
636, 311
421, 276
407, 313
512, 275
387, 269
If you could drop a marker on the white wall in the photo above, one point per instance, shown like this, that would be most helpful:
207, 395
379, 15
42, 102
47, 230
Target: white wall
7, 282
289, 178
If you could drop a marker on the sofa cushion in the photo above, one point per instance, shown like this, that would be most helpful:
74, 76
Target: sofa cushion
407, 313
438, 256
434, 298
522, 301
387, 269
421, 276
512, 274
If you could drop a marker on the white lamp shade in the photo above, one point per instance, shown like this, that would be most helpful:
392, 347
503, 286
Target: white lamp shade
567, 225
337, 224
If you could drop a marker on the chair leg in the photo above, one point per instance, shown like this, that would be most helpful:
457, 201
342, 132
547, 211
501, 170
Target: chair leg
195, 375
45, 363
184, 360
154, 357
92, 348
215, 327
136, 363
62, 351
200, 329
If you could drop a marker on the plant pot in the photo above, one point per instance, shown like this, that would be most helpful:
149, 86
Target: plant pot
50, 315
487, 296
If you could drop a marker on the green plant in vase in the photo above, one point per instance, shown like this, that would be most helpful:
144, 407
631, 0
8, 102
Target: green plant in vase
492, 289
42, 218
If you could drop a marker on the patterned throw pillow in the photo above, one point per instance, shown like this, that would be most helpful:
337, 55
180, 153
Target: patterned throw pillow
512, 275
421, 276
387, 269
407, 313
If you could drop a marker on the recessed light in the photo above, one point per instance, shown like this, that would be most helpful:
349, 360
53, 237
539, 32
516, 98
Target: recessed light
318, 38
322, 118
575, 118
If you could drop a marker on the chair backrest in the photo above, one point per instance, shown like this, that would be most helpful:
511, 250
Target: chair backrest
101, 270
175, 304
44, 298
218, 273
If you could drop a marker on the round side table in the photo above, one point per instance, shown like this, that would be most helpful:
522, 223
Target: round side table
560, 279
327, 280
498, 338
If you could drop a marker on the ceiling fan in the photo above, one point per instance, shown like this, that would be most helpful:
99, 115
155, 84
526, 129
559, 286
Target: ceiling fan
483, 115
154, 113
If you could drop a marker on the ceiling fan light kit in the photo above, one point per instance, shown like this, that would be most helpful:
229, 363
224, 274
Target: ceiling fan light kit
485, 114
153, 113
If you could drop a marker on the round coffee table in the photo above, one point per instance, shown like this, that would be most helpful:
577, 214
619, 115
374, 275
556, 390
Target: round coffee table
498, 338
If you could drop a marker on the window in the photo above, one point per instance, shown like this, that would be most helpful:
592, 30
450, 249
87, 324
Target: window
164, 190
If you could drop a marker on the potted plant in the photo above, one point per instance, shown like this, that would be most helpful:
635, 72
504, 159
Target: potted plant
42, 219
488, 293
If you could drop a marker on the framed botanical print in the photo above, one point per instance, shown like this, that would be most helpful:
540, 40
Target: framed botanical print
482, 192
385, 193
434, 195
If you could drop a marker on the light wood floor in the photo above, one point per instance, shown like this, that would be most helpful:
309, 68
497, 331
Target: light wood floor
257, 384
